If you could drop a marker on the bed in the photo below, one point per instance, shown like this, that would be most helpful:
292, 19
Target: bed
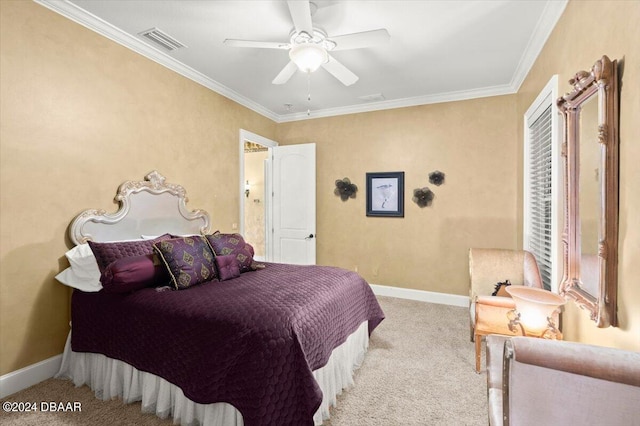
273, 344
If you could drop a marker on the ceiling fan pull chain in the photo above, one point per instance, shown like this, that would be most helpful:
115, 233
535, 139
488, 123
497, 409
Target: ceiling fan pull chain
309, 93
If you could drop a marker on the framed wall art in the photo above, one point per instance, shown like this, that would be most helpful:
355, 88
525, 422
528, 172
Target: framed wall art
385, 194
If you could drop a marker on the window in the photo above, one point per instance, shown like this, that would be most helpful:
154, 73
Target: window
542, 189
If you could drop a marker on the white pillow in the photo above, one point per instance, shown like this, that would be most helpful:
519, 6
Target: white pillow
84, 273
70, 278
83, 262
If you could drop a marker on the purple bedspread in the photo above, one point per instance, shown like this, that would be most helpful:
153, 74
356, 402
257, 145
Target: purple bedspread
252, 341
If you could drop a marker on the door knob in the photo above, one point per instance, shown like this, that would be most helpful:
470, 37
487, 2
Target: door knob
309, 237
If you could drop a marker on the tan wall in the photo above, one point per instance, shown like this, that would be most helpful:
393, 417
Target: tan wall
472, 142
585, 32
80, 114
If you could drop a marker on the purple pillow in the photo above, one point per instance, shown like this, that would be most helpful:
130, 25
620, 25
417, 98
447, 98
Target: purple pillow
189, 261
133, 273
228, 267
107, 253
232, 244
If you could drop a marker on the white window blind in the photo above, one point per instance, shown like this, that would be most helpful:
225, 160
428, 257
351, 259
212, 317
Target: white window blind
541, 192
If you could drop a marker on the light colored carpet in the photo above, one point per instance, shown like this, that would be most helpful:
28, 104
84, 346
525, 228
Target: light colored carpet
419, 371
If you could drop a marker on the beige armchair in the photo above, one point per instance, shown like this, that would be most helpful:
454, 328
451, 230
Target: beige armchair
550, 382
487, 267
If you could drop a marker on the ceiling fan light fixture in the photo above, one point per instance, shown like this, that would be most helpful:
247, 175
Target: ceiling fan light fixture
308, 56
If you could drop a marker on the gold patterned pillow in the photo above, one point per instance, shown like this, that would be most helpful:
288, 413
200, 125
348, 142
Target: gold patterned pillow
232, 245
189, 261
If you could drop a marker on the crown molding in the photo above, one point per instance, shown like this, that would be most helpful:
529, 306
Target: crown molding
92, 22
547, 22
549, 18
401, 103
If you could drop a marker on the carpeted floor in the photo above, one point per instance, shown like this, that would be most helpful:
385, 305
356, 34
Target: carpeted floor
419, 371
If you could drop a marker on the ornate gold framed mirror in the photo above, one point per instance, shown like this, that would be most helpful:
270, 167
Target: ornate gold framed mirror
590, 151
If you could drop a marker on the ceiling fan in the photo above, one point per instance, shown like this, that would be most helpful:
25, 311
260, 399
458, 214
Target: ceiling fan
309, 47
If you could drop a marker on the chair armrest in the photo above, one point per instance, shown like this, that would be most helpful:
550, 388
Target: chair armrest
532, 277
614, 365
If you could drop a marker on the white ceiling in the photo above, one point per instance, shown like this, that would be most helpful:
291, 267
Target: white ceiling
439, 50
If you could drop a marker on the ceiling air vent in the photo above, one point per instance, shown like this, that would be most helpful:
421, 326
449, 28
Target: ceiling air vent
161, 39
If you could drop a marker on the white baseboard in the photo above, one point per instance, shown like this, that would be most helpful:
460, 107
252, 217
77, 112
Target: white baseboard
421, 295
30, 375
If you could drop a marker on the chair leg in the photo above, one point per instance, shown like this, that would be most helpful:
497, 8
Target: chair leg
478, 340
471, 333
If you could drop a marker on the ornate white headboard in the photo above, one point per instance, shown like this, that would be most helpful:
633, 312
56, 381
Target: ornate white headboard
151, 207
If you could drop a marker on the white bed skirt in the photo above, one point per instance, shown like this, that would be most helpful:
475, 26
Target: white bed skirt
110, 378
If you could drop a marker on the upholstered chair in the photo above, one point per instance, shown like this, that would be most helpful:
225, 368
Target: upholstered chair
487, 267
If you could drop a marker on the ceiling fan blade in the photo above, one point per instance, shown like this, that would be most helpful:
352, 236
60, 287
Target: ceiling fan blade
359, 40
340, 72
286, 73
301, 15
258, 44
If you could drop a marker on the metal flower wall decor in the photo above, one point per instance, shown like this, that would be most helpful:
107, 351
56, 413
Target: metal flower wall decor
436, 178
423, 197
345, 189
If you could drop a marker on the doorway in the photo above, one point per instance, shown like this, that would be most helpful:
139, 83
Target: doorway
254, 186
278, 199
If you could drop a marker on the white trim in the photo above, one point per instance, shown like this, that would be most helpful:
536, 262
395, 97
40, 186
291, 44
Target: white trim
547, 22
30, 375
401, 103
421, 295
545, 98
548, 19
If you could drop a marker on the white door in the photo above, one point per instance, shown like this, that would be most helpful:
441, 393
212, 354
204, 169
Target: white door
294, 204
